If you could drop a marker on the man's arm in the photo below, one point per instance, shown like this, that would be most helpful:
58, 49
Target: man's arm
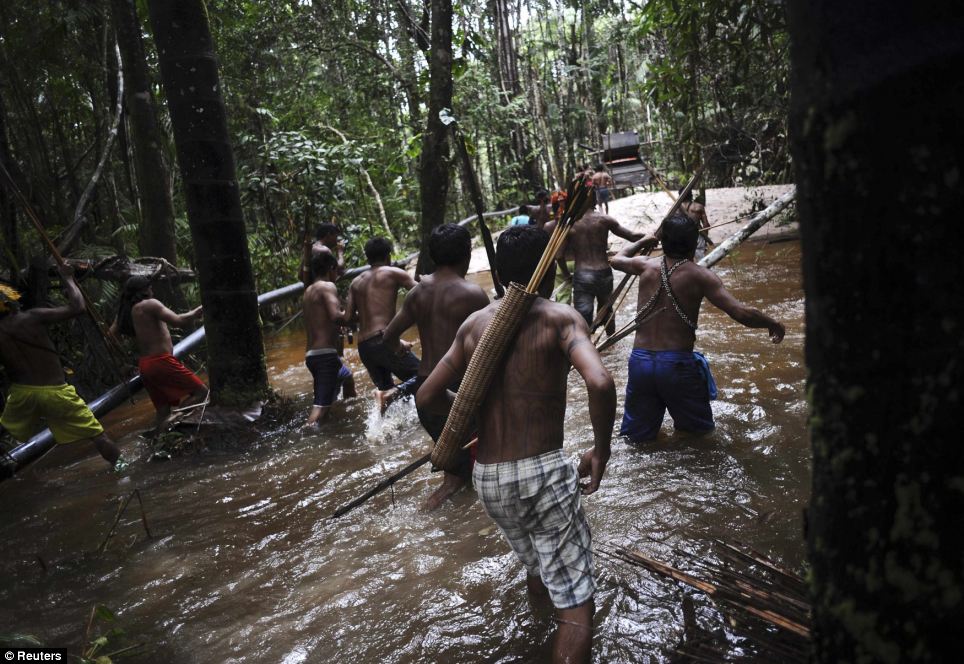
174, 319
332, 304
575, 343
351, 308
75, 301
404, 319
618, 229
717, 294
627, 260
403, 278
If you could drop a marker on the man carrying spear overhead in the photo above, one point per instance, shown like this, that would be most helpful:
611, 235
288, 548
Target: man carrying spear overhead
522, 477
39, 395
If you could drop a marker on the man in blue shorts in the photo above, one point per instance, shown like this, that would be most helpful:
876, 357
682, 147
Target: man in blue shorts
323, 316
664, 372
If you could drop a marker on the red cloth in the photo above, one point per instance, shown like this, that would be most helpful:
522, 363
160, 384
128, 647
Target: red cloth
166, 380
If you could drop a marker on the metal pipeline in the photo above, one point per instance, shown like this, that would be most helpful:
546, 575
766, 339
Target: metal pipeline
43, 442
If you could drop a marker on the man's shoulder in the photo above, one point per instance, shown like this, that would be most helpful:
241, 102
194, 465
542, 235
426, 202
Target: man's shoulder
320, 287
148, 305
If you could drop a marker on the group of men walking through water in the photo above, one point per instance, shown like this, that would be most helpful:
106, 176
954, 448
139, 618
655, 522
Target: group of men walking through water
517, 465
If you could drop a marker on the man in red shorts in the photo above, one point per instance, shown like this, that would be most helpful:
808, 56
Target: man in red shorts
166, 380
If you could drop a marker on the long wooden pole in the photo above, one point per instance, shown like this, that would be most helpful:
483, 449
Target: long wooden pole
475, 193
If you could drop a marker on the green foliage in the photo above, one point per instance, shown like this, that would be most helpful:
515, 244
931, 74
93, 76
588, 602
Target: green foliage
695, 77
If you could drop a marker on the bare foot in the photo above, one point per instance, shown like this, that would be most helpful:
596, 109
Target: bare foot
450, 484
385, 398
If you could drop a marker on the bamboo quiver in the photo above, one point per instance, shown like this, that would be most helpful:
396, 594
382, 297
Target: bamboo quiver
486, 358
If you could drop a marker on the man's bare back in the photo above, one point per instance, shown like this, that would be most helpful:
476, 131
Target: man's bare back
151, 319
438, 305
524, 412
601, 179
664, 328
589, 240
323, 314
26, 351
372, 298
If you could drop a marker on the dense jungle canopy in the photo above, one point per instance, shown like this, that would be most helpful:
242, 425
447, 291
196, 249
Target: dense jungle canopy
329, 102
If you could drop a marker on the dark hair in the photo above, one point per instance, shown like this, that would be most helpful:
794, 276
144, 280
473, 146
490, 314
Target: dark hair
322, 263
679, 235
449, 244
687, 197
135, 290
524, 209
542, 194
518, 253
325, 230
378, 249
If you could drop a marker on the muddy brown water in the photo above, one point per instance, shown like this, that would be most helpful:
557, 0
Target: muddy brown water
244, 566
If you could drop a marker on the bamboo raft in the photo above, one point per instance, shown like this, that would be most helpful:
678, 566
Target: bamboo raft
765, 604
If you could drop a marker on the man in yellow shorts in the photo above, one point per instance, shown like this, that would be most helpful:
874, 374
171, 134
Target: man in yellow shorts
39, 396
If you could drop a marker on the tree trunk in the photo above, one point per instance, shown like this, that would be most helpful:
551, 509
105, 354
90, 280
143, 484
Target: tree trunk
189, 72
156, 232
434, 172
877, 146
11, 253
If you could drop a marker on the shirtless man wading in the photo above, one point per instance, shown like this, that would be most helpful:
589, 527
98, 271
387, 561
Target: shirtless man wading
522, 477
323, 317
602, 182
371, 301
438, 305
39, 395
166, 379
592, 279
664, 372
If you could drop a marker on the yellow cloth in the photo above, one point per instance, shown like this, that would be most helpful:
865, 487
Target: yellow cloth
30, 407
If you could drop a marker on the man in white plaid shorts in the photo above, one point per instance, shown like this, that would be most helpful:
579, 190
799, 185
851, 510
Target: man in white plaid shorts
521, 475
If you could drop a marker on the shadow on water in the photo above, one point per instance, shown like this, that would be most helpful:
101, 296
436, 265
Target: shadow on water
245, 567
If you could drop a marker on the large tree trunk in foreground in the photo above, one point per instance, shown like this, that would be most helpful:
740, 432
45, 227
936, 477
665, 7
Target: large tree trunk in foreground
878, 145
190, 75
156, 232
434, 172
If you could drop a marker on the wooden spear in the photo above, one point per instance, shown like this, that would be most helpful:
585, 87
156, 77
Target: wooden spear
475, 193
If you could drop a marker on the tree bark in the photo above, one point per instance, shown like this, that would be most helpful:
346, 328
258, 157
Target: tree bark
189, 71
156, 232
877, 146
8, 210
434, 171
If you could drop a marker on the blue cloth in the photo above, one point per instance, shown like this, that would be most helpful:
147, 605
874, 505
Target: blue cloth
679, 381
328, 375
519, 220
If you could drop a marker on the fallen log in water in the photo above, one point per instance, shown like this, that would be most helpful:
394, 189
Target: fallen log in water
763, 602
